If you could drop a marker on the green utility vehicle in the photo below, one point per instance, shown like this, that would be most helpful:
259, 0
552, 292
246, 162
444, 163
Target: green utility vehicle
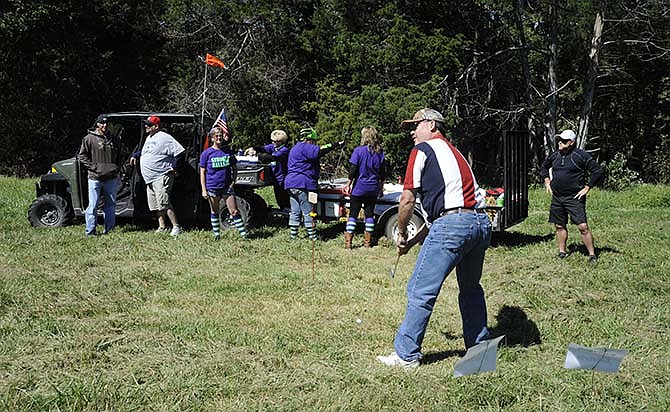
62, 193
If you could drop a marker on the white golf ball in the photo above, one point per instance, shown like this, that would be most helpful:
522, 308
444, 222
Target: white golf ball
358, 321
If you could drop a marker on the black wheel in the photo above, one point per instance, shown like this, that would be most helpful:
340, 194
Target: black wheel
48, 211
259, 210
391, 229
224, 216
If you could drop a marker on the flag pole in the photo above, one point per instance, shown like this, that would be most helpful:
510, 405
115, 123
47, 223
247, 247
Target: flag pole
204, 91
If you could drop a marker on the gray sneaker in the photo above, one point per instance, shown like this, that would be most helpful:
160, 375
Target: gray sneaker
394, 360
176, 230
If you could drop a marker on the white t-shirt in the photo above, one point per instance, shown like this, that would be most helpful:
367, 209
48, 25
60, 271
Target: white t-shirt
159, 155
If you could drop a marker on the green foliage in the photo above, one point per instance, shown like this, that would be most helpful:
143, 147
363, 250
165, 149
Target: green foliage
69, 62
333, 64
342, 116
657, 164
617, 174
656, 157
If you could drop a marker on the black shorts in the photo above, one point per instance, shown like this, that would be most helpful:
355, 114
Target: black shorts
562, 206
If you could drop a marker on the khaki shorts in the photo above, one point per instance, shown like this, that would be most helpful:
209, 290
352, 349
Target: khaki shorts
158, 193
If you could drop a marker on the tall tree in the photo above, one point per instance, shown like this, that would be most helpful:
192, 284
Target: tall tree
591, 73
552, 82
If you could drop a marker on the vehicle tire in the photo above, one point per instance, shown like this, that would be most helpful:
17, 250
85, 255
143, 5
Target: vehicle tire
48, 211
258, 209
391, 229
224, 216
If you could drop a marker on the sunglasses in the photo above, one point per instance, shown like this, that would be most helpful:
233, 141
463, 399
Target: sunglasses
564, 141
415, 125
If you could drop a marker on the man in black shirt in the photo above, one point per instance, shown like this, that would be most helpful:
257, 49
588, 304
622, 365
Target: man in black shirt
567, 185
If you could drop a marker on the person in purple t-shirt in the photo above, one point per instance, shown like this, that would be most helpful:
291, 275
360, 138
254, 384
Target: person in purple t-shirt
217, 177
275, 153
302, 178
366, 177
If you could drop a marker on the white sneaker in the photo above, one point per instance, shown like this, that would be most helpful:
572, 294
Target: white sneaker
394, 360
162, 230
175, 231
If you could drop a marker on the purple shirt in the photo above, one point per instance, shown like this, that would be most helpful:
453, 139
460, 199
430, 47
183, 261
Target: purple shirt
280, 167
218, 165
370, 165
303, 167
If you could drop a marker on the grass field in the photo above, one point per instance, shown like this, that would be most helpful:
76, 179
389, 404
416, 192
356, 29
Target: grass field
140, 321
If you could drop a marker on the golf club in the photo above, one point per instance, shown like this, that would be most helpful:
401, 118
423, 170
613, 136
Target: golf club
395, 267
418, 237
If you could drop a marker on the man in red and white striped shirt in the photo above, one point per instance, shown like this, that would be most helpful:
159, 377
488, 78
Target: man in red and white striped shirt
458, 237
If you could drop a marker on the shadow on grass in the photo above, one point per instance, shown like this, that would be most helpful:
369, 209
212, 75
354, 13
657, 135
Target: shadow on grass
262, 233
581, 249
440, 356
517, 328
332, 231
513, 239
133, 225
512, 322
279, 219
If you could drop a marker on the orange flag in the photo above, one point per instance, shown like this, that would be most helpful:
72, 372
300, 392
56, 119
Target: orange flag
213, 61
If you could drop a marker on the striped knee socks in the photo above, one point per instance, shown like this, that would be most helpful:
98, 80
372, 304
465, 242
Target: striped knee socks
214, 219
294, 231
239, 224
311, 232
369, 224
351, 225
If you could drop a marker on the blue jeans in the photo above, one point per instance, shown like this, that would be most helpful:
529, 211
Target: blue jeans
457, 240
108, 188
299, 205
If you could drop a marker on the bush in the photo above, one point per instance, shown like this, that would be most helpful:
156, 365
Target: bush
657, 164
617, 174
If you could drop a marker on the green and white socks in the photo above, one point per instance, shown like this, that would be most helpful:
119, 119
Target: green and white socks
216, 225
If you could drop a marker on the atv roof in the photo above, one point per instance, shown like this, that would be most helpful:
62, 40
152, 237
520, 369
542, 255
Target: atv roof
172, 117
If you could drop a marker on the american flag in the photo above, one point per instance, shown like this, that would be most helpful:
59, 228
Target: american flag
222, 122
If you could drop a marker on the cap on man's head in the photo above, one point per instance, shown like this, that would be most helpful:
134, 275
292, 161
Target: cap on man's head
309, 134
101, 119
279, 136
567, 135
421, 115
152, 121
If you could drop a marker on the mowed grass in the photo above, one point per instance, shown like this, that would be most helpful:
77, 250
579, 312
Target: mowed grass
140, 321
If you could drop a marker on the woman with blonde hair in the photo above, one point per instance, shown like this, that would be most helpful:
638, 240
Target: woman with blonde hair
366, 179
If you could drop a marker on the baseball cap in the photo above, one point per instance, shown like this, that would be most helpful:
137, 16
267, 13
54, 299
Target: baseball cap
152, 121
567, 135
423, 114
309, 134
101, 119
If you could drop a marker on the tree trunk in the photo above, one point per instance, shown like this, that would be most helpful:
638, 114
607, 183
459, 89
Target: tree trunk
590, 81
550, 120
528, 91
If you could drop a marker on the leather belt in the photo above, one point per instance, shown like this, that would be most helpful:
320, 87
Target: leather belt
460, 210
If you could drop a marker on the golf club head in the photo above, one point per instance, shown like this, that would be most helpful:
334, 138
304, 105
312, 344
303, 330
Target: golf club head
393, 270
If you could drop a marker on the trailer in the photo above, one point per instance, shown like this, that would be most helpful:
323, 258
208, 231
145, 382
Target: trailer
506, 206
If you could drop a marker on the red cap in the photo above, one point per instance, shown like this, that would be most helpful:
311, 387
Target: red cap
152, 121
